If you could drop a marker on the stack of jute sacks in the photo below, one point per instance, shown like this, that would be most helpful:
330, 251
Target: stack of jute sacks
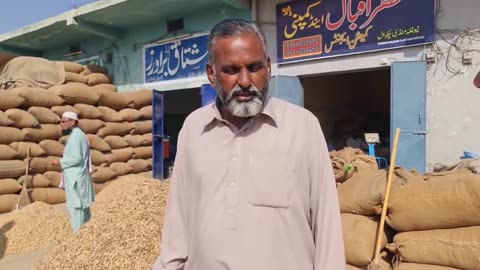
118, 126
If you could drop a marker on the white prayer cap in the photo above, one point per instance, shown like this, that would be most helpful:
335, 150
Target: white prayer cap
70, 115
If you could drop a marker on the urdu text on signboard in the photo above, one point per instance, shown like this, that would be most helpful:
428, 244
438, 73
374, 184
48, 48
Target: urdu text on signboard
312, 29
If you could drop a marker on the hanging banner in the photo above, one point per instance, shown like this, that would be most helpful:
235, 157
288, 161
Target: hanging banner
174, 60
312, 29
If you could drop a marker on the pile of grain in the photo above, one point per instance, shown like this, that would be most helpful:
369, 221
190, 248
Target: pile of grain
124, 232
36, 226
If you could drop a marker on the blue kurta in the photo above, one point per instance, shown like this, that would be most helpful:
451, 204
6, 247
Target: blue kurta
79, 190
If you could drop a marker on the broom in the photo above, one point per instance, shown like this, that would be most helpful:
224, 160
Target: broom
24, 199
375, 264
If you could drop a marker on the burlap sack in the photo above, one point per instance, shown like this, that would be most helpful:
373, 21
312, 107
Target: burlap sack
74, 93
98, 187
457, 248
46, 132
24, 71
75, 77
147, 112
359, 235
4, 120
8, 202
98, 78
37, 181
59, 110
143, 152
105, 86
148, 139
44, 115
43, 164
89, 69
12, 168
98, 143
416, 266
103, 174
121, 168
71, 66
90, 126
53, 177
22, 119
47, 195
139, 165
115, 100
98, 158
122, 155
364, 192
119, 129
442, 202
9, 186
10, 135
116, 142
52, 148
110, 115
130, 115
22, 147
10, 100
141, 98
7, 153
39, 97
142, 127
88, 111
349, 161
135, 140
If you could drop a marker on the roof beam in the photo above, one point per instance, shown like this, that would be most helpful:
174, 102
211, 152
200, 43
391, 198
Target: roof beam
100, 30
19, 51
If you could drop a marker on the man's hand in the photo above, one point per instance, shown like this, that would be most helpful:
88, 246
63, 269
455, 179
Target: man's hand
55, 162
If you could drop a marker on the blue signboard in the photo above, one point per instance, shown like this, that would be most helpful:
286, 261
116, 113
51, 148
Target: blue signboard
178, 59
312, 29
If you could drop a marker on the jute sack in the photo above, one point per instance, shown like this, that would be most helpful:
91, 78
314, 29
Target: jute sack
90, 126
10, 100
59, 110
98, 158
89, 69
88, 111
148, 139
75, 77
349, 161
44, 115
12, 168
135, 140
147, 112
359, 234
141, 98
47, 195
121, 168
442, 202
52, 148
115, 100
98, 78
130, 115
22, 147
46, 132
8, 203
4, 120
105, 86
119, 129
122, 155
7, 153
22, 119
98, 187
457, 248
103, 174
143, 152
416, 266
37, 181
98, 143
364, 192
39, 97
74, 93
71, 66
63, 140
9, 186
142, 127
10, 134
53, 177
116, 142
139, 165
109, 115
43, 164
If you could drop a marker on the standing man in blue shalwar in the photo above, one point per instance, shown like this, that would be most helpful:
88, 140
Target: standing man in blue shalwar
75, 165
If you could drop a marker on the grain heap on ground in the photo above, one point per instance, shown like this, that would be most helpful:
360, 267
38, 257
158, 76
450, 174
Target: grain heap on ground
36, 226
124, 232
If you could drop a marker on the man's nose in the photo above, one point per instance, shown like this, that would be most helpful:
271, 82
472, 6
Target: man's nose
244, 79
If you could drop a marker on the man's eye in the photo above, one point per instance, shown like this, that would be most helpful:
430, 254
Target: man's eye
229, 71
255, 67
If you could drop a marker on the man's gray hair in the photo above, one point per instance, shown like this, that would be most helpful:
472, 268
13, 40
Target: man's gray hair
233, 28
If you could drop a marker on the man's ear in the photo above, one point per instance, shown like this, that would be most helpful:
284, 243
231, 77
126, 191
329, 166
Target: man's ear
211, 75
